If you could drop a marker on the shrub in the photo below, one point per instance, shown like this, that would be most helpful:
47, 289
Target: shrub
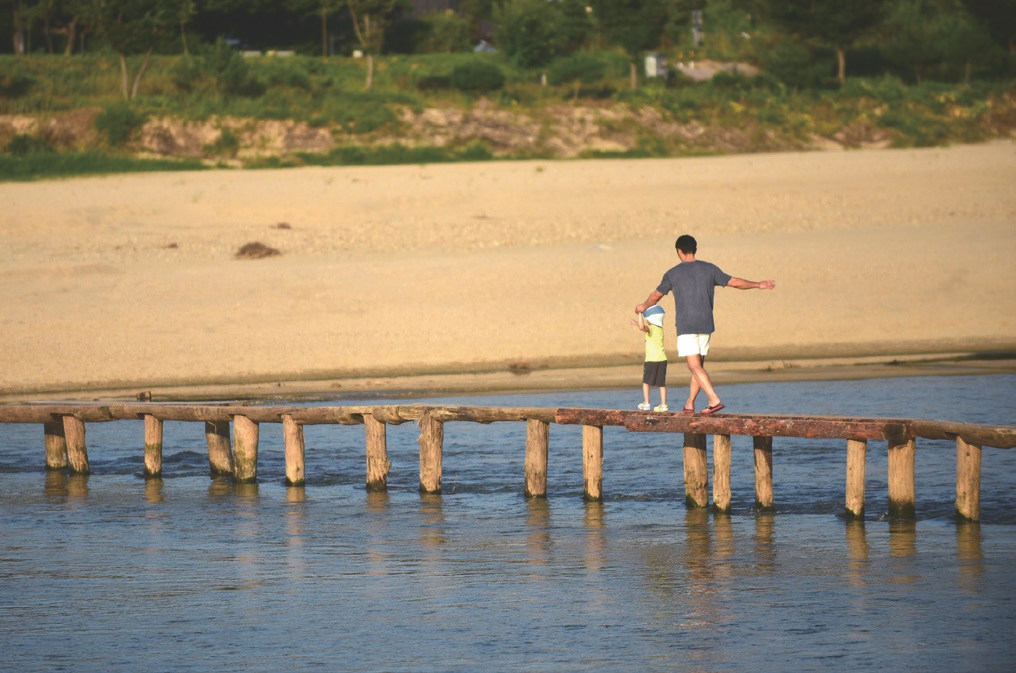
15, 84
527, 31
477, 76
581, 67
22, 145
795, 65
119, 122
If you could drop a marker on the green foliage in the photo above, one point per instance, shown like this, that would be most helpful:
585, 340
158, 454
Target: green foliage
222, 70
119, 122
527, 31
582, 67
22, 145
396, 154
477, 75
794, 64
445, 33
633, 25
15, 84
36, 166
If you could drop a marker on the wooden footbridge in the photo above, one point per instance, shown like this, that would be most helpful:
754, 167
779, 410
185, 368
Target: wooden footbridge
64, 436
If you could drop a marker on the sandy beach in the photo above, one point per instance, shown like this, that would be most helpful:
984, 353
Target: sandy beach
502, 275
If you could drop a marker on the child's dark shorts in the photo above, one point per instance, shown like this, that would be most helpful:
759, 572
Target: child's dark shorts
655, 373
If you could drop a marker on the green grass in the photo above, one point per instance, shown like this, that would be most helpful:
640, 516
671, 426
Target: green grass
331, 94
37, 166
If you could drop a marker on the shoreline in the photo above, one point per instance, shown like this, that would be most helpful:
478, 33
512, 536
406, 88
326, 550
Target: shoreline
540, 379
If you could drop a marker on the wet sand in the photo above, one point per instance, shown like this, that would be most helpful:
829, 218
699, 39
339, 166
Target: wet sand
503, 276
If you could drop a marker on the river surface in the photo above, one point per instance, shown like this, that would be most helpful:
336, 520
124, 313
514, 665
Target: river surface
113, 573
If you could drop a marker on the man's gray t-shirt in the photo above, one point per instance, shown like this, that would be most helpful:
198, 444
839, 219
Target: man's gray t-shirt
693, 285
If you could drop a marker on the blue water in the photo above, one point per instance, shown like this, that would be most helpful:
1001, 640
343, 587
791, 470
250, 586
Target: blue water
113, 573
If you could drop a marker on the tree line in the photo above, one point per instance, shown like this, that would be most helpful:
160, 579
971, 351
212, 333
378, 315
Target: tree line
915, 35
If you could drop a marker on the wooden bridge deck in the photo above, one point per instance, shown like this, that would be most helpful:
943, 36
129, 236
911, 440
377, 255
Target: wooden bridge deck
64, 431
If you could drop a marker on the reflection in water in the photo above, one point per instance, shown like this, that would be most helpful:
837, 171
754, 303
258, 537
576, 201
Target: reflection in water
56, 484
153, 491
594, 535
247, 491
538, 526
764, 550
296, 515
220, 486
432, 532
857, 544
968, 548
377, 532
703, 608
903, 544
724, 546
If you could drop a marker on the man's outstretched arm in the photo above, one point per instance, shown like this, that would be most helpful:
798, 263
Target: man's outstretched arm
742, 284
651, 300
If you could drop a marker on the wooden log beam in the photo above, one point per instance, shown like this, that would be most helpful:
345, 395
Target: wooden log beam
431, 444
293, 436
1000, 437
592, 462
763, 473
768, 426
245, 450
696, 470
902, 501
857, 452
378, 464
968, 480
77, 452
537, 444
56, 445
153, 447
220, 453
721, 473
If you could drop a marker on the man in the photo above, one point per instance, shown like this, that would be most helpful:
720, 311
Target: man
693, 282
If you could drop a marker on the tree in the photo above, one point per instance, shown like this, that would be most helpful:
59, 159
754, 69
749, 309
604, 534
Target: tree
133, 27
834, 23
998, 17
915, 34
633, 25
527, 31
370, 17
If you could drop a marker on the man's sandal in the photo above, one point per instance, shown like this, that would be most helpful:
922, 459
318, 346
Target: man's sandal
713, 409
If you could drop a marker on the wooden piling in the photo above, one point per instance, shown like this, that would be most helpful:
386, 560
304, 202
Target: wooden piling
763, 473
901, 479
592, 462
220, 455
968, 480
431, 443
377, 453
696, 470
56, 445
293, 435
537, 442
245, 450
721, 473
857, 451
153, 447
77, 453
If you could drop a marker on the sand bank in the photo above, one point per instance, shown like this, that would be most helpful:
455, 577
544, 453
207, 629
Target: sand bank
482, 271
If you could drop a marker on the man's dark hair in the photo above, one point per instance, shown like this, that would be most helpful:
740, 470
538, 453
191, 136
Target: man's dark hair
686, 244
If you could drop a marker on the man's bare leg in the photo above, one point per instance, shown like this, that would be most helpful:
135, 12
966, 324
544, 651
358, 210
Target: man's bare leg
700, 379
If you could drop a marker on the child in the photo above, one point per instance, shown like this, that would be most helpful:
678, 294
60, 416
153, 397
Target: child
654, 371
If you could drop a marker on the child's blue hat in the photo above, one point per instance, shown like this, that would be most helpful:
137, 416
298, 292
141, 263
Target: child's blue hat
654, 315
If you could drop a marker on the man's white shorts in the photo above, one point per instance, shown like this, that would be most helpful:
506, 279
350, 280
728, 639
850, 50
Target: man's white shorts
692, 344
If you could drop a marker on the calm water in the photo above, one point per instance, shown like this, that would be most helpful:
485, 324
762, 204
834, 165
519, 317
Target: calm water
110, 573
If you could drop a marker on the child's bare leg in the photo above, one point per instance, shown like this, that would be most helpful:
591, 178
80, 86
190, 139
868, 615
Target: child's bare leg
645, 393
663, 395
701, 377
